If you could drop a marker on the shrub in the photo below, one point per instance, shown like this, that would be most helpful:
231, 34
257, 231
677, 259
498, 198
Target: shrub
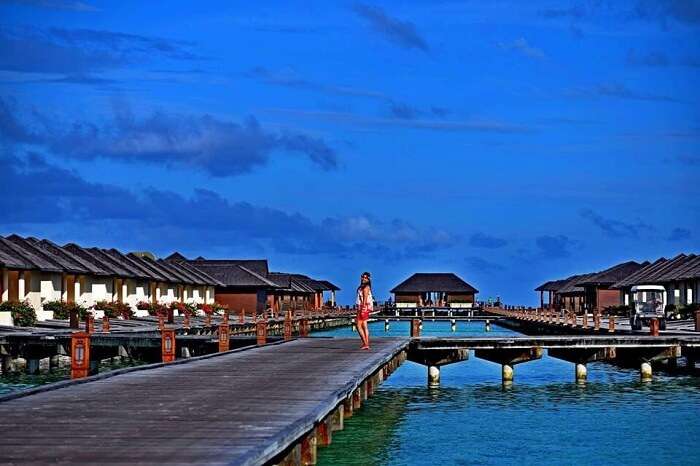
688, 311
23, 314
621, 310
62, 310
158, 310
144, 306
106, 307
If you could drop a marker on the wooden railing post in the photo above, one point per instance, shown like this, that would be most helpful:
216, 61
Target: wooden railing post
288, 326
80, 355
167, 344
611, 324
186, 321
161, 322
261, 331
304, 327
89, 324
415, 328
654, 327
105, 324
242, 317
224, 335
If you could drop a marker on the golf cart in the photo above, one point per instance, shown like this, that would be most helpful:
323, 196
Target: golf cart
649, 302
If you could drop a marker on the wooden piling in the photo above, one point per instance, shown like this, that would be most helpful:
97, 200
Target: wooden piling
308, 449
324, 432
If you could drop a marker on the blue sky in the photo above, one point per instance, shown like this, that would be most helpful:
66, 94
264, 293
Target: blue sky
510, 142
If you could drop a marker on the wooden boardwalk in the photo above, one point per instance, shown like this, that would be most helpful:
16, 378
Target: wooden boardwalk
240, 407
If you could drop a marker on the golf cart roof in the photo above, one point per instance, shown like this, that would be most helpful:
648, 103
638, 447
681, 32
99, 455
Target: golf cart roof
648, 288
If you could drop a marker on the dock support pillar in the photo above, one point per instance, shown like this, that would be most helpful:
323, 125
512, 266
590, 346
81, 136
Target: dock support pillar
348, 407
507, 374
645, 371
324, 432
433, 376
356, 400
308, 449
6, 362
32, 367
581, 373
53, 362
338, 418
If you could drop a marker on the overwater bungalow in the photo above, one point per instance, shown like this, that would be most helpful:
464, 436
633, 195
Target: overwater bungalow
248, 284
39, 271
434, 290
598, 291
680, 276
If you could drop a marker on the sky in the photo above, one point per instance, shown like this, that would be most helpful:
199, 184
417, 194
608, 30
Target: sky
509, 142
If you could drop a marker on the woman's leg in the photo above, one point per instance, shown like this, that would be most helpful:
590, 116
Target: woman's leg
360, 331
366, 332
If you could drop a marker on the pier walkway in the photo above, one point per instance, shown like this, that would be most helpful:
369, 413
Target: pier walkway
239, 407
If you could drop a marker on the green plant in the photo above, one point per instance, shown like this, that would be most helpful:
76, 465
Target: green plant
62, 310
688, 311
618, 311
23, 314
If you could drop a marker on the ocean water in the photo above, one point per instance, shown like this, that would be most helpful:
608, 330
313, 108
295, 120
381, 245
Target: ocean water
544, 418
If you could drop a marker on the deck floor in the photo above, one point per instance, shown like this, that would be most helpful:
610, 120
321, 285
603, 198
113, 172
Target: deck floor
238, 408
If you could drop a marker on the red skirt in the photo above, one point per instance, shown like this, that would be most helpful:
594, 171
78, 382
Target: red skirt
363, 312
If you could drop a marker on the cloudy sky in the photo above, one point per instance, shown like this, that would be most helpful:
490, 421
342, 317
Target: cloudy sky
508, 141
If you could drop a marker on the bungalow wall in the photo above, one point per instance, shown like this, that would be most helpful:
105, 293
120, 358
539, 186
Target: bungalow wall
251, 300
460, 300
407, 299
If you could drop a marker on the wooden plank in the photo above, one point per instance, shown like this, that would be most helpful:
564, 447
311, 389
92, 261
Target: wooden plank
241, 407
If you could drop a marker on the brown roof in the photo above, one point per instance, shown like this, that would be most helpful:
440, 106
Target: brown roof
661, 271
438, 282
614, 274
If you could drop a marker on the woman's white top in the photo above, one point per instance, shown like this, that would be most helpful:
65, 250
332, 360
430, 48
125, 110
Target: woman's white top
370, 299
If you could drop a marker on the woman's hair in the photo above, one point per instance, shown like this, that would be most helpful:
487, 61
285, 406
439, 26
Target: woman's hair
369, 280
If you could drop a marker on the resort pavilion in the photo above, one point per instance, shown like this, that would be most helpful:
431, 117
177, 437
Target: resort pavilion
612, 287
248, 285
434, 290
38, 271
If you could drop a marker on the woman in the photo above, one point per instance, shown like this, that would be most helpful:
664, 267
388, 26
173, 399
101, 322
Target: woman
365, 303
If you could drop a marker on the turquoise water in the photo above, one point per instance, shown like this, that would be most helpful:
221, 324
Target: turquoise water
543, 418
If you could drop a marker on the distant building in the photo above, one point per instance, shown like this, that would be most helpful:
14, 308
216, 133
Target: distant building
612, 287
38, 271
248, 284
434, 290
680, 277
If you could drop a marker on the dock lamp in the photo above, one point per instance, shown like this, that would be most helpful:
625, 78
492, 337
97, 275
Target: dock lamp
168, 344
80, 355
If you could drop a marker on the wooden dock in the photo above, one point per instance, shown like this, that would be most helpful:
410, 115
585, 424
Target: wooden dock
264, 405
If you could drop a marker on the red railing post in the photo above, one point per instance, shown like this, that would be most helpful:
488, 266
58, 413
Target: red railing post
80, 355
415, 327
161, 322
186, 321
303, 327
89, 324
105, 324
167, 344
611, 324
242, 317
224, 334
261, 331
654, 327
288, 326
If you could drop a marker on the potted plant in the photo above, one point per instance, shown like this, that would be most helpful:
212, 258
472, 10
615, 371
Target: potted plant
22, 313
